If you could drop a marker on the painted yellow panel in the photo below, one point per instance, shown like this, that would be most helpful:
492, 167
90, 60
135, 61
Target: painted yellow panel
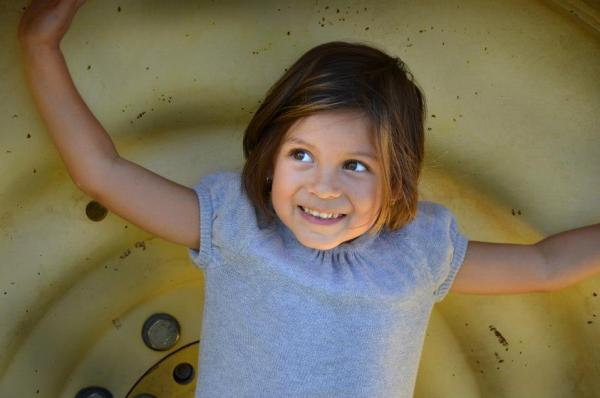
513, 148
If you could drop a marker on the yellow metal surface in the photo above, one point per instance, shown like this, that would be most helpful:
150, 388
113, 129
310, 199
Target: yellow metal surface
513, 149
159, 380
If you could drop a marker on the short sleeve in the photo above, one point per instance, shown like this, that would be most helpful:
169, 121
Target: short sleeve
223, 213
447, 248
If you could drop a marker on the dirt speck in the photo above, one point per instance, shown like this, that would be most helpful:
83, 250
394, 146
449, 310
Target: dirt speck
499, 336
500, 360
125, 253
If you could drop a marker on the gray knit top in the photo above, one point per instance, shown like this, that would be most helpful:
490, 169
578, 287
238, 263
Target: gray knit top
284, 320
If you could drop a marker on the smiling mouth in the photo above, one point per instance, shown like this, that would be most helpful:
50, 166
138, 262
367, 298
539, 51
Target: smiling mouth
321, 215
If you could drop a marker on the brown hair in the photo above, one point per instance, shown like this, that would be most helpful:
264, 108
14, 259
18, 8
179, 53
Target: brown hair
345, 76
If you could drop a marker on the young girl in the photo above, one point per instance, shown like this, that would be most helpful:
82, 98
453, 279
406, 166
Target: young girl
321, 264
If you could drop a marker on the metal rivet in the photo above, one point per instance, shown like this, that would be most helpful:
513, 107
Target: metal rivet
160, 332
183, 373
95, 211
94, 392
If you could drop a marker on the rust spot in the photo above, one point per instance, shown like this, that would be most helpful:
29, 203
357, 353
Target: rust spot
499, 336
500, 360
125, 254
141, 244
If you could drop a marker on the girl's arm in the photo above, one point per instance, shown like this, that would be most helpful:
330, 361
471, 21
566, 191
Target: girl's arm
158, 205
551, 264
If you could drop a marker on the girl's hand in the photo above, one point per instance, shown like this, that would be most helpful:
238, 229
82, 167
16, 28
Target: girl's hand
45, 22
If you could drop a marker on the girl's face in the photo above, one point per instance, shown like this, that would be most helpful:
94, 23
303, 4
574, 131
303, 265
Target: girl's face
326, 180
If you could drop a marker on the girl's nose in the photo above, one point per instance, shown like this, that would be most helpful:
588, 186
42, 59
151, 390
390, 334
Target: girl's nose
325, 185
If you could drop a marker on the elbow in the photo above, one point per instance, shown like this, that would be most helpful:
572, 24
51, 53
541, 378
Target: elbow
84, 187
93, 176
550, 282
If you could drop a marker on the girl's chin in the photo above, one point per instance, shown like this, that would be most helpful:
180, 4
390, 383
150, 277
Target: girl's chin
319, 244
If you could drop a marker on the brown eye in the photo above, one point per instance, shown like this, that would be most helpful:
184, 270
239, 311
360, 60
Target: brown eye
301, 155
355, 165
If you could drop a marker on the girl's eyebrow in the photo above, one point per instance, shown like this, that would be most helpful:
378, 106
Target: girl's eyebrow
300, 141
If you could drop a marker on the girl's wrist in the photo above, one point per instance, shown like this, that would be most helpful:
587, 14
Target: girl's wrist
32, 49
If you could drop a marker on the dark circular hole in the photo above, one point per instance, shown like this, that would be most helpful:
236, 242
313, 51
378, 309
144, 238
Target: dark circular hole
94, 392
183, 373
95, 211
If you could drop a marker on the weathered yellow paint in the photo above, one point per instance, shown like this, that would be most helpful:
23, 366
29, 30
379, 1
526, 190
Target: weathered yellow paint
159, 381
513, 89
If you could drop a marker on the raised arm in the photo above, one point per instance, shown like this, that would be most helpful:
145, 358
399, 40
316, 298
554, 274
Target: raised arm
158, 205
551, 264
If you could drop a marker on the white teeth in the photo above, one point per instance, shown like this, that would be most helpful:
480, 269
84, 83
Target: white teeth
319, 214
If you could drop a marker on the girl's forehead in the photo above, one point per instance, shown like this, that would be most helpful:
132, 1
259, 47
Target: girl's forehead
343, 127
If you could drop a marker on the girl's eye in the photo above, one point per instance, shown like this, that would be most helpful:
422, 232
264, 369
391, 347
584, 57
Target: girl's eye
355, 165
301, 155
305, 157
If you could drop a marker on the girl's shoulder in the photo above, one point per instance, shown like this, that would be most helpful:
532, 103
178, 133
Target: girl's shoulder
432, 217
220, 187
219, 180
432, 232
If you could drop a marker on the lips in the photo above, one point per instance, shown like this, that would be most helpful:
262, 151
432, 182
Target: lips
321, 214
320, 218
